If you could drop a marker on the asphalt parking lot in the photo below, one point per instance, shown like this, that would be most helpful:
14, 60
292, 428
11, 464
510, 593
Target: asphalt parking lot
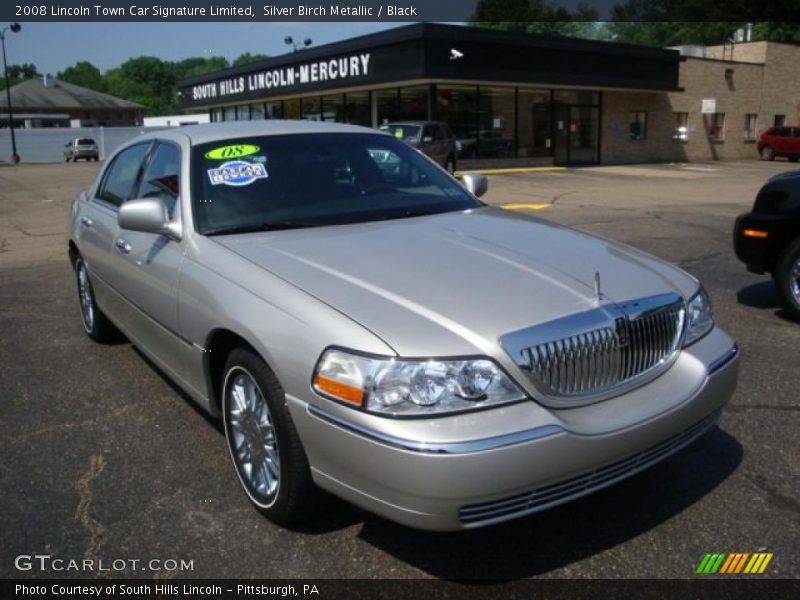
102, 458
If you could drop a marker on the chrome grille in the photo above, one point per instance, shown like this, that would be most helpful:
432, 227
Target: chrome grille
586, 483
601, 350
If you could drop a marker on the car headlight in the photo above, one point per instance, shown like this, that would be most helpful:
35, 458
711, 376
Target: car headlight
699, 317
417, 388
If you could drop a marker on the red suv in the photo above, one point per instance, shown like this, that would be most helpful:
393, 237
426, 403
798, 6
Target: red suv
780, 141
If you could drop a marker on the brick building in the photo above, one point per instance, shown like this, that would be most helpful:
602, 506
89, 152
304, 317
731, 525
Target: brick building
517, 99
48, 102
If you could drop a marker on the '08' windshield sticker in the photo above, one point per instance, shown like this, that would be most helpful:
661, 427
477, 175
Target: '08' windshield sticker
237, 173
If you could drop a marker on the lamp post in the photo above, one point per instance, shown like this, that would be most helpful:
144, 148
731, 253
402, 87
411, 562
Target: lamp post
14, 27
296, 45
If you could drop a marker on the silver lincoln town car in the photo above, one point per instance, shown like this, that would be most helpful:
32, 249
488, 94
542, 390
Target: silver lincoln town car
364, 325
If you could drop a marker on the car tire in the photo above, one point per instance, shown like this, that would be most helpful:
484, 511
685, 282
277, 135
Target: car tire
74, 159
95, 323
787, 277
794, 158
767, 153
66, 159
259, 430
450, 165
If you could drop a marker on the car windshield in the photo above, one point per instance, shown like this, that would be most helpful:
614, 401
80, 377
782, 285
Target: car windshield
308, 180
86, 142
405, 132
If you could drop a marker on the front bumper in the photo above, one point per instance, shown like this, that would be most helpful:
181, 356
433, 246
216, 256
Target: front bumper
756, 253
387, 467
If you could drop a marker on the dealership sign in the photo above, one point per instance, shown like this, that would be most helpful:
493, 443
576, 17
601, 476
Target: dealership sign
334, 69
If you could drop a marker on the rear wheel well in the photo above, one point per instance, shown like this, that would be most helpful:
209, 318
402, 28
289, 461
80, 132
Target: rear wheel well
220, 344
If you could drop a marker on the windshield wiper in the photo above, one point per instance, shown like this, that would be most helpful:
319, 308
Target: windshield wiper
266, 226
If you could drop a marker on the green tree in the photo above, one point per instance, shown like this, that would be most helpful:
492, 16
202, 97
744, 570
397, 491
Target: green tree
147, 80
247, 58
189, 67
85, 74
18, 74
542, 17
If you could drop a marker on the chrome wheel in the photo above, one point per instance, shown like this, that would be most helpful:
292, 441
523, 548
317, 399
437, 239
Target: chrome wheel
253, 444
794, 280
85, 296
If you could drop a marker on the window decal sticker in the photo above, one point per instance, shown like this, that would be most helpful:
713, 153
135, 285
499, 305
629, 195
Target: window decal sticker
237, 173
232, 151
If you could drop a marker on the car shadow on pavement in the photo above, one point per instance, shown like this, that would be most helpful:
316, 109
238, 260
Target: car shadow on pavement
556, 538
764, 295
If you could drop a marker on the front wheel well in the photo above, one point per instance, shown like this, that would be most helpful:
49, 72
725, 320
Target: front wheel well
220, 344
74, 253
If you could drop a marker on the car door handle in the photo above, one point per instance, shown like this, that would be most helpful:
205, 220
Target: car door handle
87, 221
123, 246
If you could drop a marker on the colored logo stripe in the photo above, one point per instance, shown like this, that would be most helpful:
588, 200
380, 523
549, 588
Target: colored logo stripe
733, 563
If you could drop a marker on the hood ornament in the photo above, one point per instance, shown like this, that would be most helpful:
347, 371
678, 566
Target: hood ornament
597, 292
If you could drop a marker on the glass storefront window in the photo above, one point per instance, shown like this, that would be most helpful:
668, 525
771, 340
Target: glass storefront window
333, 108
458, 106
577, 97
291, 108
387, 103
243, 113
414, 103
274, 110
638, 125
312, 109
357, 109
496, 122
256, 111
216, 115
535, 127
229, 113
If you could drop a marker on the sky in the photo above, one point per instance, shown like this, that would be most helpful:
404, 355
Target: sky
54, 46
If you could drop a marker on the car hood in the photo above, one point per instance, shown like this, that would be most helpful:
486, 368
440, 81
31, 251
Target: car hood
452, 284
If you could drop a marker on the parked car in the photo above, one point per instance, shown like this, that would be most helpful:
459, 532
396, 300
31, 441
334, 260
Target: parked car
434, 139
364, 325
767, 239
85, 148
780, 141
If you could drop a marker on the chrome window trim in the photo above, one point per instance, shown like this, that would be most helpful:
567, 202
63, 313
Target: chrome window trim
465, 447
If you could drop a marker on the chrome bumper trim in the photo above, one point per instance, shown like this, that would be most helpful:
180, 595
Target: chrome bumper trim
723, 360
466, 447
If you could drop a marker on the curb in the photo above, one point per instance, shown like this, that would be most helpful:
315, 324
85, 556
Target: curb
514, 170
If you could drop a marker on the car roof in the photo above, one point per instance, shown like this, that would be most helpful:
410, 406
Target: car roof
211, 132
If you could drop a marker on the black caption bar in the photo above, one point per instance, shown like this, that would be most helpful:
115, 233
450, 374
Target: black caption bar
400, 10
415, 589
238, 10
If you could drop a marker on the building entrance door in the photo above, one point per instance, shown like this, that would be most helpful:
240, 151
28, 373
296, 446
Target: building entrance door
542, 134
576, 135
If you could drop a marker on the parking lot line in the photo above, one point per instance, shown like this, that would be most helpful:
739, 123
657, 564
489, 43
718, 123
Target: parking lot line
523, 206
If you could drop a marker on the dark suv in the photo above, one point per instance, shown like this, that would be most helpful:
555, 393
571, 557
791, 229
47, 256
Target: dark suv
85, 148
433, 138
767, 239
780, 141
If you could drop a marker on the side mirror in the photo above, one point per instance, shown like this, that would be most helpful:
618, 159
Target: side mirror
476, 183
148, 215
